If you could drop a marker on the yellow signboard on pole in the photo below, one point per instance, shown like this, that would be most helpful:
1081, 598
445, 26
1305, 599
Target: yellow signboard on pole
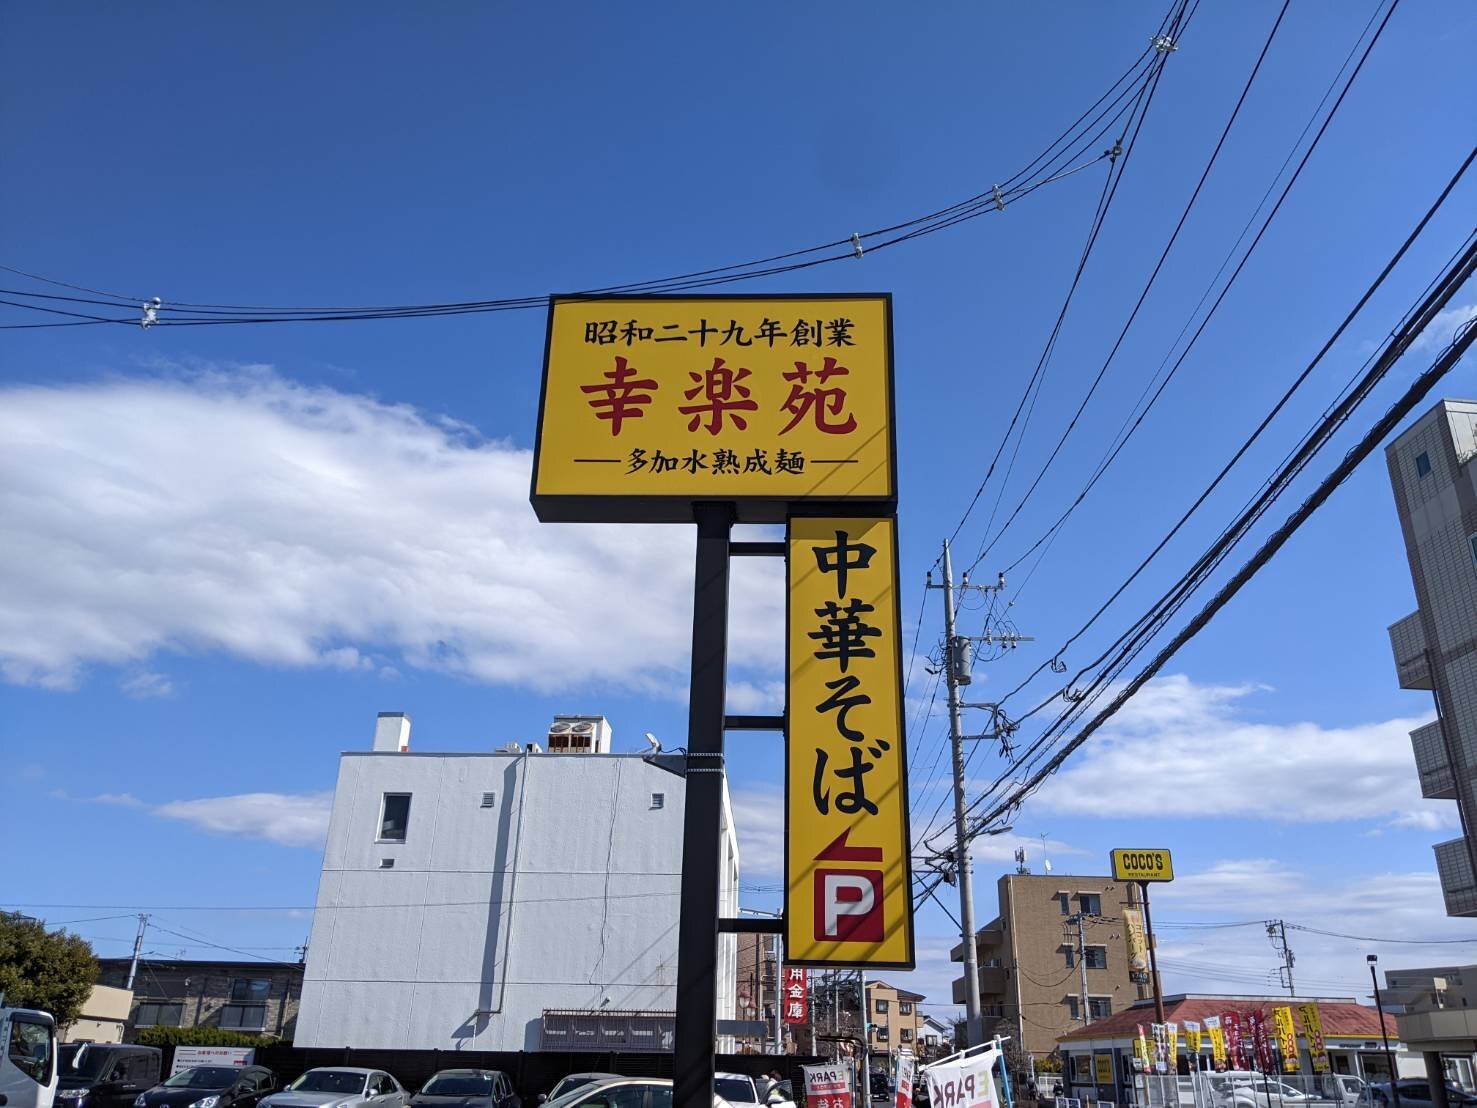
652, 403
1142, 865
848, 880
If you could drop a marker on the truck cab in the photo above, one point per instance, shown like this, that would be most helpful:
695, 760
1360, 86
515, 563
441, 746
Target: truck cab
28, 1071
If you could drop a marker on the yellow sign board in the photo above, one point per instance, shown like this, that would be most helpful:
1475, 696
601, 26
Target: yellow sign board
1142, 865
651, 403
1103, 1064
848, 881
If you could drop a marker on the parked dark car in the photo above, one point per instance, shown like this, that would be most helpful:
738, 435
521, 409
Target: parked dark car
1415, 1092
211, 1087
467, 1089
105, 1075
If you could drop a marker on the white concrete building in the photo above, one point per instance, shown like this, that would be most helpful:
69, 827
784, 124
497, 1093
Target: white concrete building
463, 896
1435, 647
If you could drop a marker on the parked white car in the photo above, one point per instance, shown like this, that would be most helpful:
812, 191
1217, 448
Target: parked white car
340, 1087
624, 1092
1249, 1089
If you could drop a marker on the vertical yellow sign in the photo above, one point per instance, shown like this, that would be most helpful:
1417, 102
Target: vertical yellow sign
1313, 1032
1287, 1039
848, 881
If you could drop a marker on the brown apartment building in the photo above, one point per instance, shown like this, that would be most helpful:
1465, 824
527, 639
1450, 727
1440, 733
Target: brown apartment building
1030, 968
896, 1019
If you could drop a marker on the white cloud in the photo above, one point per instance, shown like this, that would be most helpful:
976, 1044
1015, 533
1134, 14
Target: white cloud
148, 686
1189, 753
117, 800
1441, 330
759, 819
283, 818
299, 526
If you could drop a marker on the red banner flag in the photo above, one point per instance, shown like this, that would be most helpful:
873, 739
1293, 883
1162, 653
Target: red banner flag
795, 995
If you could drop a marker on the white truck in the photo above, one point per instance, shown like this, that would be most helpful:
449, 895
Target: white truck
28, 1072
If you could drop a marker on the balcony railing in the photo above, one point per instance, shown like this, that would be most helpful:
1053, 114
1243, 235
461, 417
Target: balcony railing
1437, 781
1454, 867
1408, 643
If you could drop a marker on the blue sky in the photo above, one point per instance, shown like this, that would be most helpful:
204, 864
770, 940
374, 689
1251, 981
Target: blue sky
229, 547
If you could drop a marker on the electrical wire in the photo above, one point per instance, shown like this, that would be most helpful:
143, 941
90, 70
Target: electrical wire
1032, 388
1047, 167
1124, 436
1439, 292
1387, 422
1256, 433
988, 543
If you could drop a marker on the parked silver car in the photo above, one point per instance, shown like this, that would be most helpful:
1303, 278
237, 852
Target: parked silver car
340, 1087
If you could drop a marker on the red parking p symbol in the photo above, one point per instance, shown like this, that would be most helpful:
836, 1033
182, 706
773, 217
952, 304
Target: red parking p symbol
848, 902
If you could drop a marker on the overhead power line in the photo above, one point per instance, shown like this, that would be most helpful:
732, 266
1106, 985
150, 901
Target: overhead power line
988, 542
1135, 421
1066, 155
1251, 439
1366, 445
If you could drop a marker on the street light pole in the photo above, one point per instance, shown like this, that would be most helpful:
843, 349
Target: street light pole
1384, 1034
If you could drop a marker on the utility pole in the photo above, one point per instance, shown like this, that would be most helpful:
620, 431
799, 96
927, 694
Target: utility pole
138, 946
866, 1010
956, 662
1277, 932
952, 663
1081, 964
779, 995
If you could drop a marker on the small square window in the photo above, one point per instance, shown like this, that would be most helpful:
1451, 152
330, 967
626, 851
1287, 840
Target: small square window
1064, 900
1422, 464
1097, 957
387, 863
489, 799
658, 800
394, 817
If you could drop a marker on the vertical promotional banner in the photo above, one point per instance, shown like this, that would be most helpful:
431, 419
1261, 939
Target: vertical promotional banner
848, 879
1161, 1047
1287, 1039
1313, 1032
652, 403
1141, 1051
904, 1098
1217, 1042
827, 1087
1193, 1041
1137, 946
797, 995
1172, 1040
1261, 1041
1235, 1048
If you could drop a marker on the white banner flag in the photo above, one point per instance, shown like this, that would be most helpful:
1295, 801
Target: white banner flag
967, 1083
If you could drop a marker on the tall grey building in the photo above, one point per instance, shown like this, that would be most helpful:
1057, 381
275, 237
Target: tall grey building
1436, 646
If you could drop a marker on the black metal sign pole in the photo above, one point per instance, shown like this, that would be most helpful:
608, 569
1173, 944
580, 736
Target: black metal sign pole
697, 929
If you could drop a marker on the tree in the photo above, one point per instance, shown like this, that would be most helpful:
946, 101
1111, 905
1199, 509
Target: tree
50, 970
